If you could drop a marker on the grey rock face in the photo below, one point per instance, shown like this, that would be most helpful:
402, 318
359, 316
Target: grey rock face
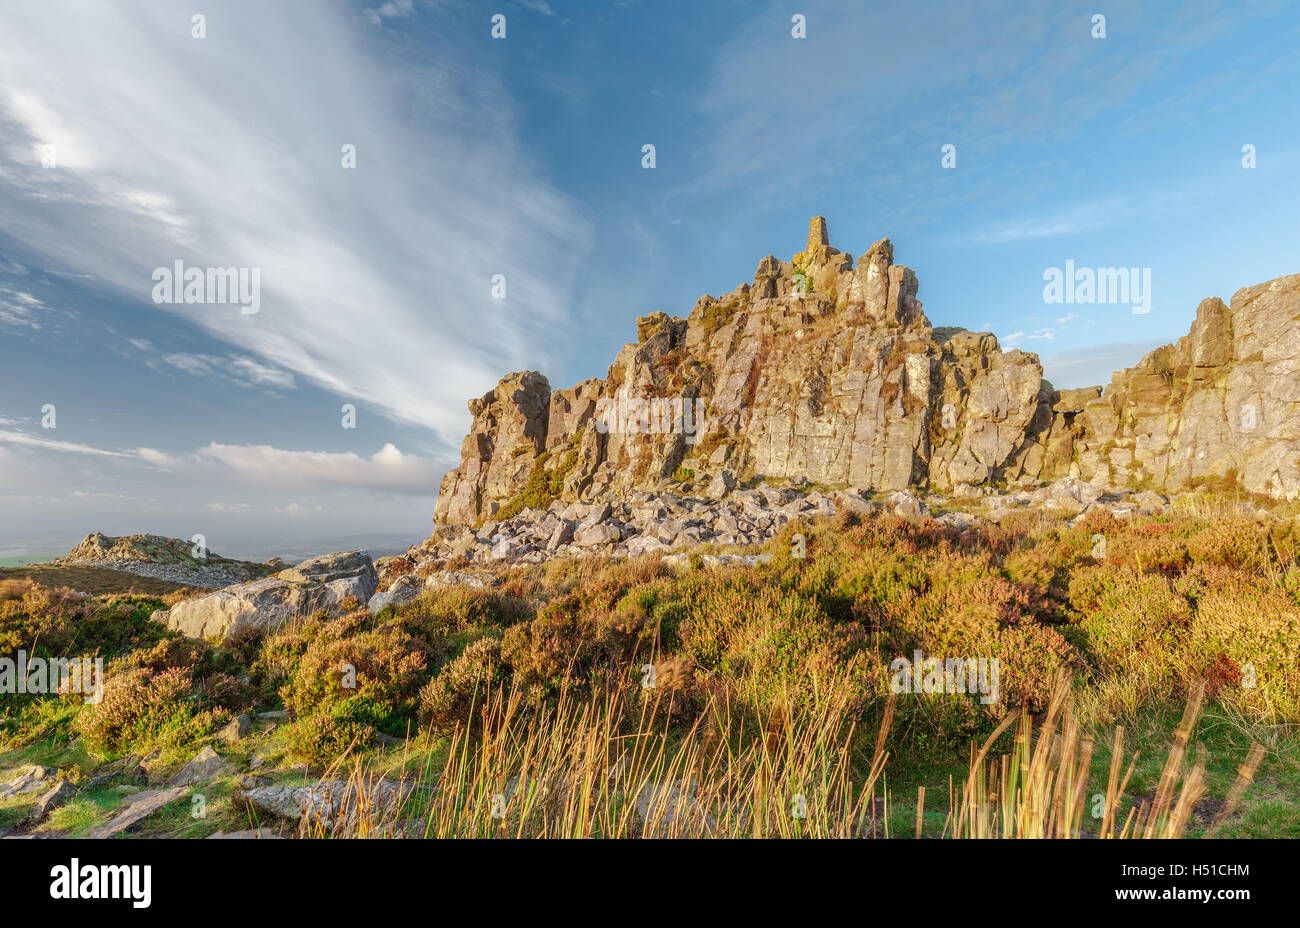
34, 779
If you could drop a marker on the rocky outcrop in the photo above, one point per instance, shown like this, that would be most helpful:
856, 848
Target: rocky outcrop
162, 558
324, 582
827, 370
510, 427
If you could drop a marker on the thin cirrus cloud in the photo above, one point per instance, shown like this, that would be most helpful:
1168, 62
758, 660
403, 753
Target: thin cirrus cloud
393, 9
25, 440
1083, 218
20, 309
225, 152
1094, 365
239, 369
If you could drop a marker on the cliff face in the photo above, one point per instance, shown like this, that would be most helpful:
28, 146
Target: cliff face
827, 370
1223, 401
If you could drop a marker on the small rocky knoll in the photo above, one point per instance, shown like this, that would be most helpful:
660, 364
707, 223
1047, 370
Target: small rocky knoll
170, 559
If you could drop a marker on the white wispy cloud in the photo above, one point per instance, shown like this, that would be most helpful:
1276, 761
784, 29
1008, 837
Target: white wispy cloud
393, 9
376, 281
537, 6
1093, 366
387, 470
1082, 218
239, 369
19, 308
1020, 337
51, 444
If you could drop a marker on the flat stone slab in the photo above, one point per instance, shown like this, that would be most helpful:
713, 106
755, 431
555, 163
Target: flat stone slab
138, 807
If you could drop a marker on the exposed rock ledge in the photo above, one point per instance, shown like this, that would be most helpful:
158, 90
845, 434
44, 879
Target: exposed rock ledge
673, 526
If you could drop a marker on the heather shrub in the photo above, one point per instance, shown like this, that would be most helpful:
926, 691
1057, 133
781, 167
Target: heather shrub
1136, 625
141, 709
449, 610
552, 646
1247, 545
167, 694
1249, 632
371, 675
447, 700
676, 689
322, 740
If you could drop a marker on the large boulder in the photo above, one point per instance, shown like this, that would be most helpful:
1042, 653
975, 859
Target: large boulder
327, 568
319, 583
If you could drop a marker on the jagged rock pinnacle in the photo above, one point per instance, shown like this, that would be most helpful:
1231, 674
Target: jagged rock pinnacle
817, 232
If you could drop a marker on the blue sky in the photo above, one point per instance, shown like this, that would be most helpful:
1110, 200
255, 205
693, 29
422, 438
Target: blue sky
521, 156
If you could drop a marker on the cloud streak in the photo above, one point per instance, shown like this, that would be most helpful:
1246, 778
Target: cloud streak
376, 280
